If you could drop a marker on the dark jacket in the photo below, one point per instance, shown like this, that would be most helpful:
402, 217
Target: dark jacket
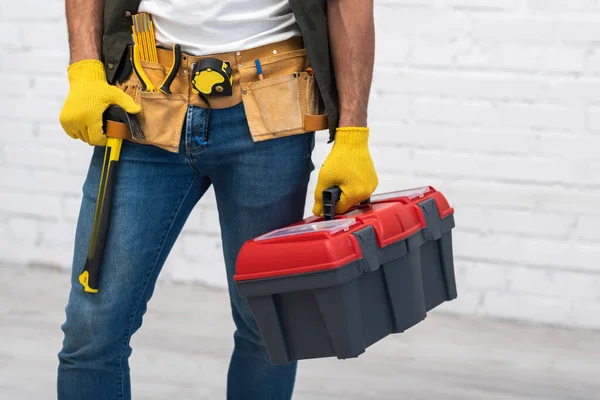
312, 20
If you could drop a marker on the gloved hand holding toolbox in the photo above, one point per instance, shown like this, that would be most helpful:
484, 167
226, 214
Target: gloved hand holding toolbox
348, 166
334, 286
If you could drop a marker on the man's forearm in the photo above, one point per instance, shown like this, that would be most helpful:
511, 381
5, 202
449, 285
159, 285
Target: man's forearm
85, 22
352, 42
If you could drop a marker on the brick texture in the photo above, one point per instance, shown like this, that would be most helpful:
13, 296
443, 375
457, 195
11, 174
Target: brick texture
495, 102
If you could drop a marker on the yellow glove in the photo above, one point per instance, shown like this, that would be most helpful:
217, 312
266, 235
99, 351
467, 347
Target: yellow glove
89, 96
350, 167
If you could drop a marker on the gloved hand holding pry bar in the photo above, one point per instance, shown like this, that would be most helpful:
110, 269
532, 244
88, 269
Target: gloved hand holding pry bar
118, 125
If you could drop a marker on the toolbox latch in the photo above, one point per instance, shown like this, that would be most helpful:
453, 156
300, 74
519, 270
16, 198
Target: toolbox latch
369, 247
432, 218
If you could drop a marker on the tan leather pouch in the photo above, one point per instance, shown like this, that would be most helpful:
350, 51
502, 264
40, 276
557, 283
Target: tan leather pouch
162, 115
287, 102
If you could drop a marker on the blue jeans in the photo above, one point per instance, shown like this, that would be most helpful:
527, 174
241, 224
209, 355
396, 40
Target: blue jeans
259, 187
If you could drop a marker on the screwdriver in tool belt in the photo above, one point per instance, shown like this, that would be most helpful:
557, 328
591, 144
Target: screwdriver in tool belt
259, 69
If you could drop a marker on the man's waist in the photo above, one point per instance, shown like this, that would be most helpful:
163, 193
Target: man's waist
235, 58
277, 59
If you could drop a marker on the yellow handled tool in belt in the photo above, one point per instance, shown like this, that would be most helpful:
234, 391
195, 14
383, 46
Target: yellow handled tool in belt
210, 76
118, 125
166, 85
147, 85
144, 48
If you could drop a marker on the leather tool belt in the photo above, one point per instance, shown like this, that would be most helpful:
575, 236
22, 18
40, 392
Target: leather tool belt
286, 101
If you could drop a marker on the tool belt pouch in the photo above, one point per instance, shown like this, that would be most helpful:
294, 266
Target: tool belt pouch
162, 115
287, 102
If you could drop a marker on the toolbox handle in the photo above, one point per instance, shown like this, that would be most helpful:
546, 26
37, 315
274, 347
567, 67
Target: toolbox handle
330, 198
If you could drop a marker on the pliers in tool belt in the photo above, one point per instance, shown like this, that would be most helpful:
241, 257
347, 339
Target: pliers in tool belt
147, 85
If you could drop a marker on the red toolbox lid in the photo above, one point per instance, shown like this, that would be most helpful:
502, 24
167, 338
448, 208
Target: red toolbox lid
300, 248
314, 245
415, 196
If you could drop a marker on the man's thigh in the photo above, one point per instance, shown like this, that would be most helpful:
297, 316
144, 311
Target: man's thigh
264, 188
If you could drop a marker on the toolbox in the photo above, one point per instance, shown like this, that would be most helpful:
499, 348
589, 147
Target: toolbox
334, 286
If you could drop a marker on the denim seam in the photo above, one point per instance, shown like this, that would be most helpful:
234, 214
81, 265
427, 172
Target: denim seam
188, 129
189, 159
201, 140
141, 295
189, 155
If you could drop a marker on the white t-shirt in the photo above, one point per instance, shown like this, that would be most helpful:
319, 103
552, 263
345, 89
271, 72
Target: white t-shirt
204, 27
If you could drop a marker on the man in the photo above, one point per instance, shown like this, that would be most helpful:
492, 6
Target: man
260, 185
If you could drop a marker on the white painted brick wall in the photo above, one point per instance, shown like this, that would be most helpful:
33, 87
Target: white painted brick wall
495, 102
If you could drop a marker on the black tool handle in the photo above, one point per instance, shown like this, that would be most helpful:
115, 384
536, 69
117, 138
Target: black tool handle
143, 85
331, 197
166, 86
90, 277
117, 114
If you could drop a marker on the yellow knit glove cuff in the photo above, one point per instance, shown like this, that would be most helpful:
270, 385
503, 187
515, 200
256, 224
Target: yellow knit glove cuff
89, 96
349, 166
86, 70
352, 136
